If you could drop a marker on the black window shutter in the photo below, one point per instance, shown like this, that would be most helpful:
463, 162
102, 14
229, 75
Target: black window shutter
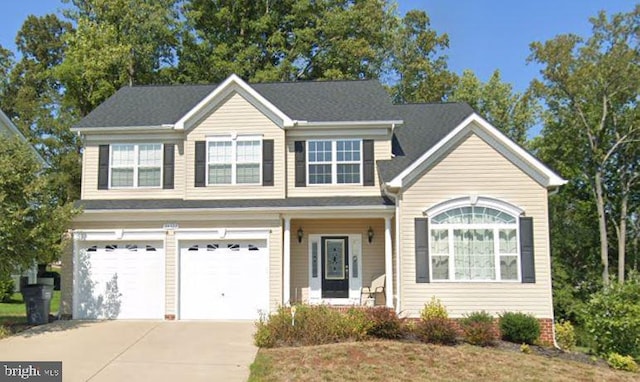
168, 161
267, 162
368, 162
103, 167
200, 164
422, 249
527, 260
301, 164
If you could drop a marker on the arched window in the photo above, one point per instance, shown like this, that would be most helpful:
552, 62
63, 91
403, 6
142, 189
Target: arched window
474, 243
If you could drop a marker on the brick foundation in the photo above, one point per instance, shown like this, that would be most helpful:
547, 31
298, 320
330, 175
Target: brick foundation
546, 331
170, 317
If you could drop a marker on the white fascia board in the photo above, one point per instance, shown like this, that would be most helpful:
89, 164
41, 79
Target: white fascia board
233, 81
270, 213
335, 133
164, 135
551, 179
10, 126
341, 124
13, 129
121, 129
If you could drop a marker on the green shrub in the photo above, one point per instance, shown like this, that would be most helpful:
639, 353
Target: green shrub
313, 325
622, 362
7, 288
384, 323
4, 332
436, 330
565, 335
612, 318
433, 309
519, 328
478, 329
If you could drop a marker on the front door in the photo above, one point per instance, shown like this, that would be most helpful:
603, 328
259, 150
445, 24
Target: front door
335, 267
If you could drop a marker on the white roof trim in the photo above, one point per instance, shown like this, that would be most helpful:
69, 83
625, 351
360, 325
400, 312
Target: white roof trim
223, 89
12, 128
551, 179
339, 124
474, 200
4, 119
125, 129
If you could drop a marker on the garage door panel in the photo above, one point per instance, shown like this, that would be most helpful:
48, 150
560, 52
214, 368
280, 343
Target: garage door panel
124, 280
223, 279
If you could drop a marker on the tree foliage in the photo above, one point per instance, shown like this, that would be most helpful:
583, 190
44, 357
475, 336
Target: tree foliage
590, 87
512, 112
33, 217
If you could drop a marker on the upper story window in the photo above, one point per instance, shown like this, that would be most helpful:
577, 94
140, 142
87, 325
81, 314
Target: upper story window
135, 165
234, 161
474, 243
334, 161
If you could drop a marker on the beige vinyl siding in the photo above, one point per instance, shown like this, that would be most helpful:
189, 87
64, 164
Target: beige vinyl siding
90, 176
475, 168
235, 115
382, 150
170, 285
66, 280
372, 254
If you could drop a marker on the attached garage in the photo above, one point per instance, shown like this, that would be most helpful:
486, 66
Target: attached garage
119, 279
223, 279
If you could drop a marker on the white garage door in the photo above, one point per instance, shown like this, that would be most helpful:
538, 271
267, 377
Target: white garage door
120, 280
224, 279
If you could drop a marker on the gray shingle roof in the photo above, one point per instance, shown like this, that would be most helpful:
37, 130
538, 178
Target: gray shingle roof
323, 101
132, 204
317, 101
424, 126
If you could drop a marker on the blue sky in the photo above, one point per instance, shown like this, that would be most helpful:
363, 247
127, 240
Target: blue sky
484, 34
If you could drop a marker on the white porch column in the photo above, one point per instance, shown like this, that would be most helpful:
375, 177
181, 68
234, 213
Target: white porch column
286, 263
388, 264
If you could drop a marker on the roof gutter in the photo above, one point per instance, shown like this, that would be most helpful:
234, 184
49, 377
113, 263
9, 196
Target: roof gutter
122, 129
341, 124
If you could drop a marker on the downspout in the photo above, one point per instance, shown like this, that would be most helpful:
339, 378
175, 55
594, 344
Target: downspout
395, 199
553, 313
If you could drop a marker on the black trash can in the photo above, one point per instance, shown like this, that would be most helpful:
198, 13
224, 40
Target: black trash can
37, 297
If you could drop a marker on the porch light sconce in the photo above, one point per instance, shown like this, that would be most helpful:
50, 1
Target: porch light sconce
370, 234
300, 234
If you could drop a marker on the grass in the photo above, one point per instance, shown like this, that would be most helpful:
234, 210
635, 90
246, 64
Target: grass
401, 361
13, 315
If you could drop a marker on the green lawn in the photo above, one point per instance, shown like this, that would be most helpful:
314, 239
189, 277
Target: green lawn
14, 312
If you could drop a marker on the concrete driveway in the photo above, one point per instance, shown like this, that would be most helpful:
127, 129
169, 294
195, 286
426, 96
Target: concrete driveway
139, 350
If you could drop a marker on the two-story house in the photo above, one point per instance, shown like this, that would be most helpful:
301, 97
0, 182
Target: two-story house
226, 201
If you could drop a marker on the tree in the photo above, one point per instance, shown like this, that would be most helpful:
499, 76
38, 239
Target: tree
591, 90
33, 99
285, 40
512, 112
422, 74
33, 218
116, 43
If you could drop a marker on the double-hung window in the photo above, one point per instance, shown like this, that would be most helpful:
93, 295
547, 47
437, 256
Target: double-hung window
234, 161
334, 161
136, 165
474, 243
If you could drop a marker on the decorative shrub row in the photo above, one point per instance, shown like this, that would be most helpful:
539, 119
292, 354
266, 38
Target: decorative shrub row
303, 325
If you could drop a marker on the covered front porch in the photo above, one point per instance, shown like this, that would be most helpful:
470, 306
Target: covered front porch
327, 259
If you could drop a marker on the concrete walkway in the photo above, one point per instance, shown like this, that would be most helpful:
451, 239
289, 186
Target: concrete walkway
139, 350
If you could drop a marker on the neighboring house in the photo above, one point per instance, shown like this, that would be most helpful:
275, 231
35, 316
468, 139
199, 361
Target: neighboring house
224, 202
8, 129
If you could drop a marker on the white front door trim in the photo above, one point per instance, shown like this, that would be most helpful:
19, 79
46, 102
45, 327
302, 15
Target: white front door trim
315, 270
